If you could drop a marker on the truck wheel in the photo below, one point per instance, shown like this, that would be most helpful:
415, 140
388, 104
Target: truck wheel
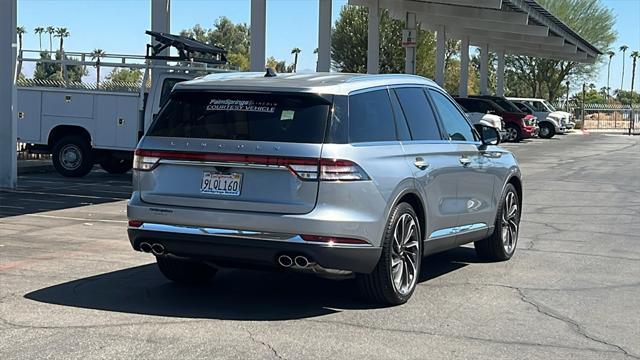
185, 271
72, 156
394, 279
115, 165
547, 131
513, 133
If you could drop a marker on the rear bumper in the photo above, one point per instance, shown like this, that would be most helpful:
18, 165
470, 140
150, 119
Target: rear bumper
240, 248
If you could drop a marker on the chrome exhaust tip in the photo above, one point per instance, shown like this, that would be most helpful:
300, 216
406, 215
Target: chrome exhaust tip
285, 260
301, 261
157, 249
145, 247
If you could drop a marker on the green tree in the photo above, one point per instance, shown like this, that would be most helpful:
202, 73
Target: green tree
625, 97
634, 55
545, 77
296, 51
53, 71
62, 33
278, 66
624, 49
610, 54
349, 42
39, 30
50, 30
125, 75
234, 38
96, 54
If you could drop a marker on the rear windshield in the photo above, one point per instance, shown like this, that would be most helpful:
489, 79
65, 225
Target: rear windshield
243, 116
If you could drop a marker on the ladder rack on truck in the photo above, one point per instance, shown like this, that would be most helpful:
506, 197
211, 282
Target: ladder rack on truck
82, 124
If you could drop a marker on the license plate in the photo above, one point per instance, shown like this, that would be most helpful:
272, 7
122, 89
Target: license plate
221, 184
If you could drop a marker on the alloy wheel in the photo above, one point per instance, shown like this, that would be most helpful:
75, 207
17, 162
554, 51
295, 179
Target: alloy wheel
405, 254
510, 222
512, 134
544, 131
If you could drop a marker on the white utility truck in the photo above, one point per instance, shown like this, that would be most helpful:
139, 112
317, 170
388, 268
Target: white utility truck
82, 124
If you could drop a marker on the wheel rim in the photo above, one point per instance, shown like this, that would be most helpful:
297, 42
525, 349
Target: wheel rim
510, 222
544, 131
512, 134
70, 157
405, 254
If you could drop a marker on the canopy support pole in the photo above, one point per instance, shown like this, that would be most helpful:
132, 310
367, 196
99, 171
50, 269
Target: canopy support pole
324, 36
8, 122
373, 38
410, 51
257, 35
464, 68
484, 69
500, 74
440, 54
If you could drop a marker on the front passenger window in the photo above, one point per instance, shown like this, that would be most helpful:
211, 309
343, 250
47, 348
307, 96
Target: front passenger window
455, 124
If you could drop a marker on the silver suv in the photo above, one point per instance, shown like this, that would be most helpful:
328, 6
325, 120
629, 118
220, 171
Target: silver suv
336, 174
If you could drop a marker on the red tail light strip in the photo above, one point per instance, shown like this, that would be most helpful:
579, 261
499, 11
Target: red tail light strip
237, 158
332, 239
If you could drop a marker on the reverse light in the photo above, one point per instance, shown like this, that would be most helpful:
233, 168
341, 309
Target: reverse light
144, 161
341, 170
332, 239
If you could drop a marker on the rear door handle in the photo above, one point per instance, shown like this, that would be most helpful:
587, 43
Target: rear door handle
465, 161
420, 163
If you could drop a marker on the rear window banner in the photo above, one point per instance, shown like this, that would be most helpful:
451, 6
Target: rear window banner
241, 105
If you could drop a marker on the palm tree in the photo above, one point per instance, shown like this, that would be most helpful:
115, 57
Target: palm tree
61, 33
635, 55
96, 54
611, 55
50, 30
39, 30
20, 30
295, 53
624, 49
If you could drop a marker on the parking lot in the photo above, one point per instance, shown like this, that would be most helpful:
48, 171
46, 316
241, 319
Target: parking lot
72, 287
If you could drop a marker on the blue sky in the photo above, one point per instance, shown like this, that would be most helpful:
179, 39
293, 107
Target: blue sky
117, 26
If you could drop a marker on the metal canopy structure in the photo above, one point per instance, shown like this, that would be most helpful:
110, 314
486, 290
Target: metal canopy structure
518, 27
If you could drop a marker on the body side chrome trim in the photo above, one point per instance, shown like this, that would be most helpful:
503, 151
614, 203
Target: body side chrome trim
457, 230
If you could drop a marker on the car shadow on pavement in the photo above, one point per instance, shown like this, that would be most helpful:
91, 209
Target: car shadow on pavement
43, 192
235, 294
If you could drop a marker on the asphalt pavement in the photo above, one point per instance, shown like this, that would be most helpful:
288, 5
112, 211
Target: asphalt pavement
71, 287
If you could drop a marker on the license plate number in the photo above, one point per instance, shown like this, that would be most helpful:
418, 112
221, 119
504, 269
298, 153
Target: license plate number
221, 184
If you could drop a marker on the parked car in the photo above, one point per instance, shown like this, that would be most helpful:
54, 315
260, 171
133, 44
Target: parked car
518, 125
333, 174
543, 109
549, 125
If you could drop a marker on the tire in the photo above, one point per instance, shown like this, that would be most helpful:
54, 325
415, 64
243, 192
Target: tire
185, 271
72, 156
496, 247
379, 286
116, 165
547, 130
513, 133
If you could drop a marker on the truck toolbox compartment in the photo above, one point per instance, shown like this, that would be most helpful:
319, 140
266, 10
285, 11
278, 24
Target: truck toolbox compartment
67, 104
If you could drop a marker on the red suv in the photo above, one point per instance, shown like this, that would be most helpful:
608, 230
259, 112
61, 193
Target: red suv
518, 124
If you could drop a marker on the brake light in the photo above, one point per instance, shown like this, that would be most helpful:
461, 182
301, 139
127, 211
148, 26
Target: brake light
341, 170
144, 161
332, 239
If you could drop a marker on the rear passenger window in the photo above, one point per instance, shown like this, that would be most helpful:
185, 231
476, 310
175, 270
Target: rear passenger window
371, 117
455, 124
419, 114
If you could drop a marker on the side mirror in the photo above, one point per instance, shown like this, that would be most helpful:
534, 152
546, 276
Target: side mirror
488, 135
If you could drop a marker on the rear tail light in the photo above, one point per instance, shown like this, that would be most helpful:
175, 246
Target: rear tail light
341, 170
332, 239
303, 168
144, 161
